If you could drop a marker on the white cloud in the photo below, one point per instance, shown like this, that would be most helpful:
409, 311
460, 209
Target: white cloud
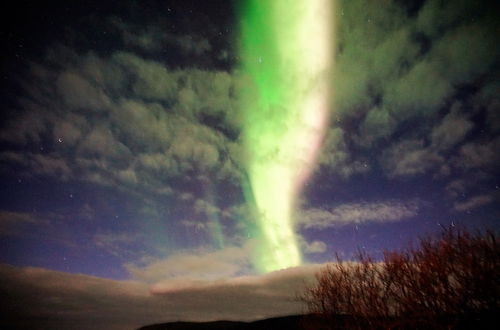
196, 225
377, 124
38, 164
472, 203
101, 142
450, 131
482, 154
77, 92
456, 187
196, 265
206, 208
121, 121
315, 247
118, 244
357, 213
11, 222
410, 157
278, 283
336, 157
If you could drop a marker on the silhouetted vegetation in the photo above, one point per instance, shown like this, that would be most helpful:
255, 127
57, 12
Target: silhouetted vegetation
451, 281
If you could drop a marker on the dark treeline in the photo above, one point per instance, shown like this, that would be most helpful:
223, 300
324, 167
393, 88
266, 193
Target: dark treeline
451, 281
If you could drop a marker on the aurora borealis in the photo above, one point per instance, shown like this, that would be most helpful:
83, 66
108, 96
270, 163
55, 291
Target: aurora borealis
286, 55
166, 160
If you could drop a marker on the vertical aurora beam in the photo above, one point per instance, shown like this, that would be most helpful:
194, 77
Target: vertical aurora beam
286, 58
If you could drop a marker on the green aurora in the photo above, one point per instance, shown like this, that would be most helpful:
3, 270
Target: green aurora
286, 60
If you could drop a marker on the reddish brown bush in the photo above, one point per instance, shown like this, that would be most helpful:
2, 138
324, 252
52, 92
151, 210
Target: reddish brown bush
451, 281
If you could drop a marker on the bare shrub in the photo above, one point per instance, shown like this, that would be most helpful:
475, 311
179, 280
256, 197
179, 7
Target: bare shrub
450, 281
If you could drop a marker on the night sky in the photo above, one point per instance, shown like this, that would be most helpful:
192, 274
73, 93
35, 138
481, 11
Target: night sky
124, 164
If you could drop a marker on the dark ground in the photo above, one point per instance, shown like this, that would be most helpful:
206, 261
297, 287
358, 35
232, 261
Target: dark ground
310, 322
292, 322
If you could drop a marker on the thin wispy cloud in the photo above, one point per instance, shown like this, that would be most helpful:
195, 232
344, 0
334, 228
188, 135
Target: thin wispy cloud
357, 213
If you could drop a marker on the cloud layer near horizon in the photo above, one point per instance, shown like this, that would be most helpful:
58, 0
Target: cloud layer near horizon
62, 300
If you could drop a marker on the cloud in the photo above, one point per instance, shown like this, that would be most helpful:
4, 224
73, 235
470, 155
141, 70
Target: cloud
314, 247
153, 38
441, 151
139, 123
25, 128
12, 222
260, 296
430, 95
459, 52
196, 265
488, 98
123, 121
130, 119
336, 158
61, 300
79, 93
100, 142
149, 79
372, 46
456, 187
482, 154
149, 39
119, 244
33, 164
452, 130
379, 123
190, 44
472, 203
284, 282
195, 225
70, 130
398, 69
345, 214
410, 157
193, 92
206, 208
